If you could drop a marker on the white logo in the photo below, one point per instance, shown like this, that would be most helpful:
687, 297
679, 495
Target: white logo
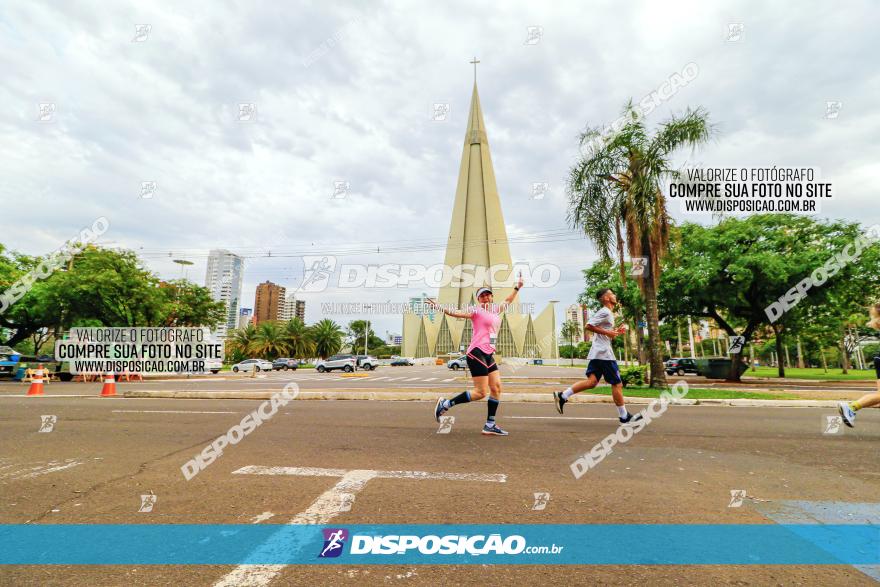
831, 424
141, 32
534, 34
247, 112
316, 272
832, 109
340, 189
47, 423
334, 543
736, 345
735, 32
639, 266
446, 423
541, 500
539, 190
736, 498
147, 503
440, 112
148, 189
46, 112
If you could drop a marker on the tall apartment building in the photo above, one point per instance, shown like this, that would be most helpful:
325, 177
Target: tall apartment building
223, 278
579, 314
293, 308
269, 303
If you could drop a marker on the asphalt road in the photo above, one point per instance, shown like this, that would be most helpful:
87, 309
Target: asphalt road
103, 454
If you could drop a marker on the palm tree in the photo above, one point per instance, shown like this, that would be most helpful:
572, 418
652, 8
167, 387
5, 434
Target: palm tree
327, 337
615, 197
240, 342
297, 339
269, 342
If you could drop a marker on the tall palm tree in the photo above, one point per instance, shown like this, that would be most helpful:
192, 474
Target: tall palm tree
269, 342
327, 337
297, 339
240, 342
615, 198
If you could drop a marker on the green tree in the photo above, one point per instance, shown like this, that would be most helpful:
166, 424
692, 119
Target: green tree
327, 336
615, 198
356, 334
270, 341
188, 304
570, 330
239, 343
297, 339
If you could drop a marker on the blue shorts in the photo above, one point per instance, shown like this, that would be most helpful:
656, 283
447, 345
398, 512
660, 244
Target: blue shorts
604, 368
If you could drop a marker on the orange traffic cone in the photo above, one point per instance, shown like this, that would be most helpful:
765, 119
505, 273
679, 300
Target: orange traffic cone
109, 388
36, 387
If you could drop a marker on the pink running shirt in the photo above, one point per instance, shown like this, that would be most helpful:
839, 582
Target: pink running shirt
486, 325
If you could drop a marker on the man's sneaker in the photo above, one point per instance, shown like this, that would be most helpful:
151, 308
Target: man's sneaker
439, 410
493, 430
847, 413
630, 418
560, 401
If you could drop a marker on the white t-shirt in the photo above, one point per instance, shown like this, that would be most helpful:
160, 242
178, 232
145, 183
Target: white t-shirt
601, 347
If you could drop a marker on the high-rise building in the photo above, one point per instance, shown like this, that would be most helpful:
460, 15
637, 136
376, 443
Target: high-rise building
419, 306
293, 308
223, 278
578, 314
269, 302
245, 316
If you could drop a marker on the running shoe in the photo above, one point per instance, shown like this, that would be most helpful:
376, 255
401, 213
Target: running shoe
560, 401
847, 413
630, 418
493, 430
439, 410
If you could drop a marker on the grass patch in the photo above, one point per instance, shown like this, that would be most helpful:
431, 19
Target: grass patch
814, 374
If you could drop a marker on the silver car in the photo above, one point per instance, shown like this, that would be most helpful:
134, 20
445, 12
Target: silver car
346, 363
252, 365
456, 364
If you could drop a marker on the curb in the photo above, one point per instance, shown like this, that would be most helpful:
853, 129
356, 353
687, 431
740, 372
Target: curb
514, 397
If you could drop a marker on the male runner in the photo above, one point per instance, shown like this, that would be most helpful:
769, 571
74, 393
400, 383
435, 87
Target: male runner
848, 410
601, 361
480, 360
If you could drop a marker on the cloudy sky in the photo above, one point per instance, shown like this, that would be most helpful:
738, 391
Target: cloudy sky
345, 92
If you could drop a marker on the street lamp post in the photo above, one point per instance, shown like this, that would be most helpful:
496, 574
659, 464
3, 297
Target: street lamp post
553, 330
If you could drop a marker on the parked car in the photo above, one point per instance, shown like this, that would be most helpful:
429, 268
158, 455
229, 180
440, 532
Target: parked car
283, 364
401, 362
252, 365
346, 363
680, 366
366, 362
456, 364
213, 365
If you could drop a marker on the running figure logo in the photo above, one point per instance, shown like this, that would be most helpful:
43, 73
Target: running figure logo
639, 266
736, 498
736, 345
316, 272
446, 423
541, 500
47, 423
334, 541
147, 503
832, 425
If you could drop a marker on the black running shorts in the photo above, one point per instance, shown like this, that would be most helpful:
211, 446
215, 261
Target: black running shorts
480, 363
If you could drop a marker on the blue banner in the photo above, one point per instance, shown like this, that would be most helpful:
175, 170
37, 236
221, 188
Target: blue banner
503, 544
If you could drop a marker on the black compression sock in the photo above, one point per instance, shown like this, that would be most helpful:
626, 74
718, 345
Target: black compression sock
493, 408
462, 398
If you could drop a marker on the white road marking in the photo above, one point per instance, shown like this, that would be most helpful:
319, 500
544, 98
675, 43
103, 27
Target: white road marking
262, 517
413, 379
32, 472
557, 418
377, 378
167, 412
448, 380
429, 379
326, 507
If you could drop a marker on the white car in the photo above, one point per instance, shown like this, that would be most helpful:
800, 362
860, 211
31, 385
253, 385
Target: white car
456, 364
213, 365
347, 363
252, 365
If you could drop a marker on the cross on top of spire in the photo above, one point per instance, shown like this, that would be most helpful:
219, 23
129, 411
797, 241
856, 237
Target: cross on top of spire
475, 61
